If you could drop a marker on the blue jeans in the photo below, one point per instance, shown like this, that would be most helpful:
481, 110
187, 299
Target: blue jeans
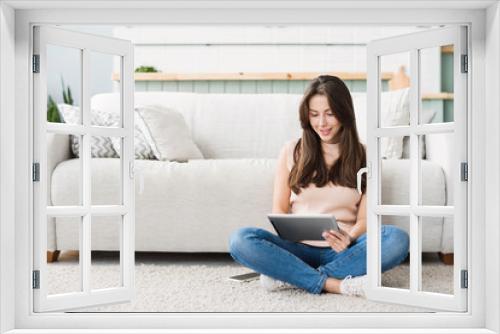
308, 267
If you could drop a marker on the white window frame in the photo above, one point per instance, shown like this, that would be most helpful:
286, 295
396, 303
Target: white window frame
84, 44
483, 124
411, 45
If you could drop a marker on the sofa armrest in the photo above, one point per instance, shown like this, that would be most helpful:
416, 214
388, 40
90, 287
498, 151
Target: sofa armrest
439, 149
447, 239
58, 150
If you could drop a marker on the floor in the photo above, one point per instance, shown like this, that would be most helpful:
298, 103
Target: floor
198, 282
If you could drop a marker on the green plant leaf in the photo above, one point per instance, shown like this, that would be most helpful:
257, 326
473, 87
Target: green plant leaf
70, 98
52, 111
67, 98
146, 69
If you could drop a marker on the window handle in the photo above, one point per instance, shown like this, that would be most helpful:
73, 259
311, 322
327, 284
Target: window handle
360, 172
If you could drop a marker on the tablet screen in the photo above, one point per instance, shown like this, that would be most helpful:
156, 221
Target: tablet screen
297, 228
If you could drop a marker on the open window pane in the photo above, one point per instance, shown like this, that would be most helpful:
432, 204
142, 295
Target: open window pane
437, 254
106, 78
64, 270
64, 76
64, 178
106, 170
436, 85
394, 99
436, 178
395, 270
395, 173
106, 236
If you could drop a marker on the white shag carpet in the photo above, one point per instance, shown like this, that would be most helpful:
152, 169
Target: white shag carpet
183, 282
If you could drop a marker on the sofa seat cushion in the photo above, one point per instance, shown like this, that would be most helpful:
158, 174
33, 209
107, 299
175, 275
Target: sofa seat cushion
195, 206
184, 207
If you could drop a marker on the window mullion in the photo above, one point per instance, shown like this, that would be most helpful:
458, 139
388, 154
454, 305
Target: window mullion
415, 253
86, 175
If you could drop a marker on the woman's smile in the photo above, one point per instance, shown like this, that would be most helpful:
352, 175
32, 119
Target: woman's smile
325, 132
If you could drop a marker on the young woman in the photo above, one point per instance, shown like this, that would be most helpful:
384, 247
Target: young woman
317, 174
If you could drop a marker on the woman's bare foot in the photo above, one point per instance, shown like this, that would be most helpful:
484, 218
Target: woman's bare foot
332, 285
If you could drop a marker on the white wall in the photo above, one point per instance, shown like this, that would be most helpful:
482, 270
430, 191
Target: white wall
267, 48
219, 48
231, 48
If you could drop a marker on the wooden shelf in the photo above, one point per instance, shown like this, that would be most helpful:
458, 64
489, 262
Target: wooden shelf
398, 78
437, 96
447, 49
246, 76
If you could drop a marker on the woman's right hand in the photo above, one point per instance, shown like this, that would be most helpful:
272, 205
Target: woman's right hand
338, 240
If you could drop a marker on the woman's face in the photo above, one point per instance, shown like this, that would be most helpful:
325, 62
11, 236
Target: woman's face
321, 118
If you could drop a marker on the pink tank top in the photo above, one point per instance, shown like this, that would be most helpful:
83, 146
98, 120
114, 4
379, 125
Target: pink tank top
340, 201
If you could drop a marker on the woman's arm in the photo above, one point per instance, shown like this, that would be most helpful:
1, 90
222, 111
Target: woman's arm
281, 193
360, 227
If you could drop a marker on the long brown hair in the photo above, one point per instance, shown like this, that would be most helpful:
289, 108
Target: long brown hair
309, 164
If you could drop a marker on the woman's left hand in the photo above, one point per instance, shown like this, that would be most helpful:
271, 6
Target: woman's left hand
337, 240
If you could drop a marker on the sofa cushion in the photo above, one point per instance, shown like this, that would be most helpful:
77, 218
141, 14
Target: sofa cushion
107, 147
168, 134
101, 147
142, 148
227, 126
395, 111
427, 116
253, 125
182, 102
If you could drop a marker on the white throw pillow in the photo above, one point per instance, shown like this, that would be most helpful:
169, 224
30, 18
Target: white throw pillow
142, 148
395, 110
427, 116
168, 134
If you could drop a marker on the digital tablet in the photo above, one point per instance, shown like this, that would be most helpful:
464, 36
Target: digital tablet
295, 227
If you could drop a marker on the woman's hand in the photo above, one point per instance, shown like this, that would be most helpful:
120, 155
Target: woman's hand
337, 240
